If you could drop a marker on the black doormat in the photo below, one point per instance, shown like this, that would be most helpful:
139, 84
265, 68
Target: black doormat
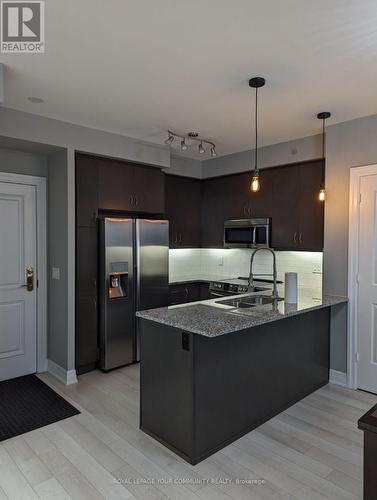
27, 403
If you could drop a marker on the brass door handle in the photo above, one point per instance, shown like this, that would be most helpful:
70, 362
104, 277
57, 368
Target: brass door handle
29, 279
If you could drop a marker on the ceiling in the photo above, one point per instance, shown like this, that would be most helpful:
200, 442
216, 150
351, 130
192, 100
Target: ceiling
139, 67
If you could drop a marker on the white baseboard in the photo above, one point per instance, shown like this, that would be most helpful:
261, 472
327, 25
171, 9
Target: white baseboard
338, 378
67, 377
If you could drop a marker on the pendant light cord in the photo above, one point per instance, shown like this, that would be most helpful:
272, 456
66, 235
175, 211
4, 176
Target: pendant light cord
256, 133
323, 138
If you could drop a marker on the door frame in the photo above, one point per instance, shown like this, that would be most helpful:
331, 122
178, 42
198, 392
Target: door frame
41, 238
353, 256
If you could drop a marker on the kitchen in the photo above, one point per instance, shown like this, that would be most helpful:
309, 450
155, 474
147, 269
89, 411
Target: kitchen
186, 309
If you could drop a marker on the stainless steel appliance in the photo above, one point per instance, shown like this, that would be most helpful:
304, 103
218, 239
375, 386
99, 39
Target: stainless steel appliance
225, 288
247, 233
133, 270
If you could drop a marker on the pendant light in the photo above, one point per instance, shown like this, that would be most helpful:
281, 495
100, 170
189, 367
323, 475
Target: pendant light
323, 116
256, 83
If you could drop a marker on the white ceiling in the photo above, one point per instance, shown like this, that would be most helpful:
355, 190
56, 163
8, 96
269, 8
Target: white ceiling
138, 67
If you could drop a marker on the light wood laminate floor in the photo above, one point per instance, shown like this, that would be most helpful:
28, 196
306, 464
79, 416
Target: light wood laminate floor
312, 451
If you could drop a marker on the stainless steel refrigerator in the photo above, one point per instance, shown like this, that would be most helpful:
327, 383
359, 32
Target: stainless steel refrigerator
133, 271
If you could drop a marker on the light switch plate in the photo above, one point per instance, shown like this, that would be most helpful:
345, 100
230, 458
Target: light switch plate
55, 273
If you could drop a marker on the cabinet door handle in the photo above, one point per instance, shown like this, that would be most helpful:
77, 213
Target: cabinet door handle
136, 200
180, 238
186, 292
295, 237
249, 211
244, 210
131, 201
95, 217
95, 303
300, 238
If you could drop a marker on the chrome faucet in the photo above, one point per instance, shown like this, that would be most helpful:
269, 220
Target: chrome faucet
274, 272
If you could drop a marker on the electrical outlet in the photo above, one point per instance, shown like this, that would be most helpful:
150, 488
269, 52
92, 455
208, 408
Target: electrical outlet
55, 273
317, 269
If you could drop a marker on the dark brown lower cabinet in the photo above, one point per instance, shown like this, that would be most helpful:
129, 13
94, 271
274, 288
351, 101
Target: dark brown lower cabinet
86, 333
215, 390
181, 293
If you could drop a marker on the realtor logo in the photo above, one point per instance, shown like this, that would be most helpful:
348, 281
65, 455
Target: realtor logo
22, 27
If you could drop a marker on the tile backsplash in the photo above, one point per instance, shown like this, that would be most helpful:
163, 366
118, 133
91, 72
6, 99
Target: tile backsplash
219, 263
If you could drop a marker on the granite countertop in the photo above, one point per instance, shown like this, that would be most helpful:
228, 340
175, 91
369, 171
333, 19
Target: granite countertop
199, 279
211, 319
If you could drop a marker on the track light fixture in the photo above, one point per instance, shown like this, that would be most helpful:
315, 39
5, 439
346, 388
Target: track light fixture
192, 136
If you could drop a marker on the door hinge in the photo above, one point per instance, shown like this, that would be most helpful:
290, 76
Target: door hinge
357, 357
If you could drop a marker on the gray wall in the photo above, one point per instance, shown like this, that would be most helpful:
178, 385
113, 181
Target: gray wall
348, 144
19, 162
27, 131
298, 150
185, 166
57, 216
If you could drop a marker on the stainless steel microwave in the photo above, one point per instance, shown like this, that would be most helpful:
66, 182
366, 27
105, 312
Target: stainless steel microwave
247, 233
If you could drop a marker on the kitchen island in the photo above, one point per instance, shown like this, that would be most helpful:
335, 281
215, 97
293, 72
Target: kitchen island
211, 372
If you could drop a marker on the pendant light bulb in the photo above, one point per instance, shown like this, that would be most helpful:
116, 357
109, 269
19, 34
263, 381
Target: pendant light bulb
183, 145
322, 194
201, 149
255, 184
213, 152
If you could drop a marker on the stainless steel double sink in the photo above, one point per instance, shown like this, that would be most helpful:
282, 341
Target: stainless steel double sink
247, 302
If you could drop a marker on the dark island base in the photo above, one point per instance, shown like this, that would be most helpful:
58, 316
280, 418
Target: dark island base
199, 394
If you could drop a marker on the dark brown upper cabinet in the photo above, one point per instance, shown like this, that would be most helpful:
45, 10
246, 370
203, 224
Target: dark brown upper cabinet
284, 211
288, 195
215, 202
86, 190
297, 213
116, 188
183, 211
230, 197
149, 189
128, 187
311, 210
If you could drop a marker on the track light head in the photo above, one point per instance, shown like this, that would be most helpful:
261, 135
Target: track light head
213, 151
170, 139
184, 146
201, 149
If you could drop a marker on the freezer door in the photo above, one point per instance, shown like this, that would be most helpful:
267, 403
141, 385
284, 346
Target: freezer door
117, 297
152, 263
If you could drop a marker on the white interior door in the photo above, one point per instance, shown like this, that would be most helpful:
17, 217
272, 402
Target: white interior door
18, 305
367, 293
